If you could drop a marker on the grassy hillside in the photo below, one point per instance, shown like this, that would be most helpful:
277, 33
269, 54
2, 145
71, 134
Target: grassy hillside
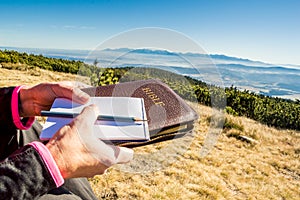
277, 112
10, 77
263, 165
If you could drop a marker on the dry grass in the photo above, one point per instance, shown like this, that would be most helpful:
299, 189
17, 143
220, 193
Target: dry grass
235, 168
34, 76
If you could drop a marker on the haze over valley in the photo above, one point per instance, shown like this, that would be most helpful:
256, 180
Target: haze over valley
263, 78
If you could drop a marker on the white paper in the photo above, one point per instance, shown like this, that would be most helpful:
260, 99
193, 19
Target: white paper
104, 130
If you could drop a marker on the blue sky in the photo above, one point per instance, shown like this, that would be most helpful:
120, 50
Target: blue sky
264, 30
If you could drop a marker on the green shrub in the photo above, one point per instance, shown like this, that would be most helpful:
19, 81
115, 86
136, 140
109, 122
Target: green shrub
275, 112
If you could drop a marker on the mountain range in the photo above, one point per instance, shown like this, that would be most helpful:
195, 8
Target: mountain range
256, 76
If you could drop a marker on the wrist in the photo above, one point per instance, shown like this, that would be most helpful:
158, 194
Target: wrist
25, 102
49, 162
54, 148
20, 123
58, 158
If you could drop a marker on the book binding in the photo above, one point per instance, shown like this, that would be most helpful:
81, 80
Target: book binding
167, 113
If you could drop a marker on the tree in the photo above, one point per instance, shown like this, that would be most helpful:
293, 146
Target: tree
96, 62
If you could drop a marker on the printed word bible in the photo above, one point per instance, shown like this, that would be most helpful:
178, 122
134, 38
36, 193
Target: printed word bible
168, 115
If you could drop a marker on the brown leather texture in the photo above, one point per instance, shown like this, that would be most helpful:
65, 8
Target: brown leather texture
164, 108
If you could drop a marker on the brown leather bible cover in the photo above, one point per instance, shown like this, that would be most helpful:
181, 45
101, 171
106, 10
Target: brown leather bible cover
167, 113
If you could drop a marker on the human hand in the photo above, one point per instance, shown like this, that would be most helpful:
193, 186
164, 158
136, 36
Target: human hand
78, 153
40, 97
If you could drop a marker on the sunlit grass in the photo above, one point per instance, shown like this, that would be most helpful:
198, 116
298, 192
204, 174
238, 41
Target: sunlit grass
233, 169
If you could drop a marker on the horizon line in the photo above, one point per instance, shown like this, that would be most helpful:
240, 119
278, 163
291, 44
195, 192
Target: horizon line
178, 52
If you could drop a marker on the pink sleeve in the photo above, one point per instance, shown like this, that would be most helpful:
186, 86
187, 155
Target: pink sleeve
49, 161
15, 111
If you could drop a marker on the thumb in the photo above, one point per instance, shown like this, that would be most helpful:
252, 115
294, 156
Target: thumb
106, 154
125, 155
86, 119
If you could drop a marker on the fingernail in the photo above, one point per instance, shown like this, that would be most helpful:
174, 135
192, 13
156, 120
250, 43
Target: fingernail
82, 95
85, 95
95, 108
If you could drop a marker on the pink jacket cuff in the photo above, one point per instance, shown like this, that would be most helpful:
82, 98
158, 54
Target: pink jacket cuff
15, 111
49, 161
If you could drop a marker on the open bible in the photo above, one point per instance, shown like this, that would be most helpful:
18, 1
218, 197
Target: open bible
168, 115
120, 119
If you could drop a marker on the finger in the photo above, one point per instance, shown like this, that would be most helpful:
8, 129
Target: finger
82, 85
79, 96
67, 90
88, 116
106, 154
84, 125
109, 155
122, 154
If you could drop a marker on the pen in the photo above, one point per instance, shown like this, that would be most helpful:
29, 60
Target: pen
99, 118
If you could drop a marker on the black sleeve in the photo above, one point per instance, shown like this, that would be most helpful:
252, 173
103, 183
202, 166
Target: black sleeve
24, 175
5, 109
8, 133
